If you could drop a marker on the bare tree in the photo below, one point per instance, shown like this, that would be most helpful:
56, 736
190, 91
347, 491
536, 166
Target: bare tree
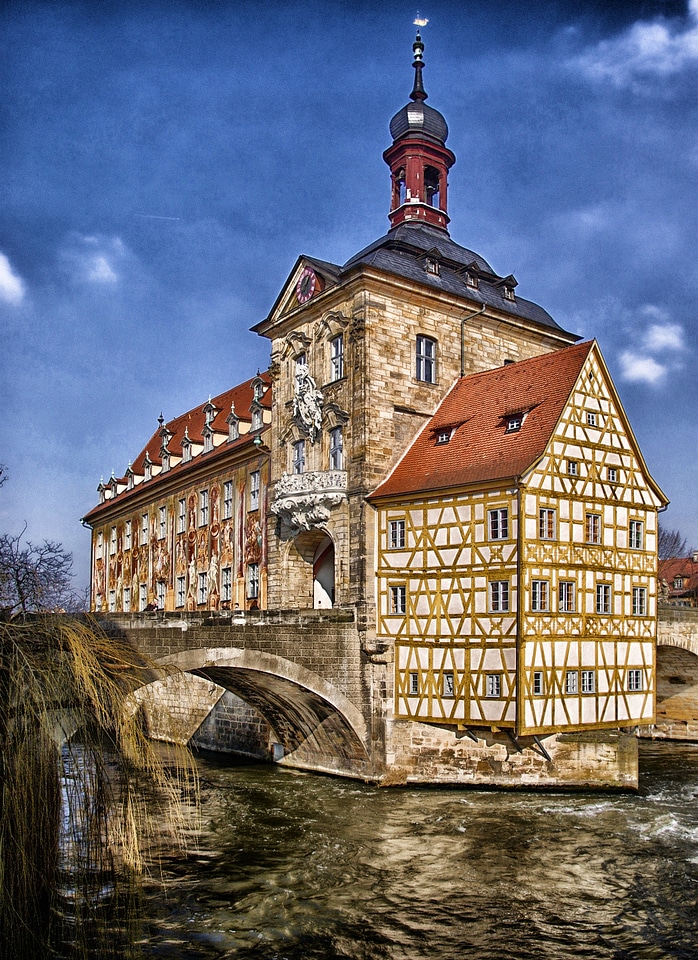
34, 577
671, 543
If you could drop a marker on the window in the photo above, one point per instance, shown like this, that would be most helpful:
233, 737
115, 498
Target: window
227, 499
112, 542
639, 602
414, 683
448, 685
499, 524
432, 266
396, 534
593, 528
256, 419
540, 596
537, 683
100, 544
572, 682
678, 583
208, 441
233, 426
127, 599
336, 449
635, 680
181, 516
254, 490
142, 596
591, 419
162, 523
337, 358
203, 508
181, 591
546, 523
493, 685
160, 593
112, 601
165, 461
572, 468
202, 595
514, 423
426, 359
127, 535
565, 596
443, 436
603, 597
301, 361
398, 599
299, 456
186, 446
636, 534
588, 681
227, 584
499, 596
612, 475
432, 186
253, 581
144, 529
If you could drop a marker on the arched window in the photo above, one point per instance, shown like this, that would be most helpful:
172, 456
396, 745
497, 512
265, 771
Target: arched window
432, 186
399, 187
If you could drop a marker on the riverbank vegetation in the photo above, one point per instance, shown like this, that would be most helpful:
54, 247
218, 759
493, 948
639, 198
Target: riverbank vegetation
81, 787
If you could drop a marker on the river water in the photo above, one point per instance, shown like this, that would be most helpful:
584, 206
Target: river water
294, 866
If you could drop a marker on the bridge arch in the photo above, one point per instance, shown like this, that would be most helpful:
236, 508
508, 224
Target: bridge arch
318, 727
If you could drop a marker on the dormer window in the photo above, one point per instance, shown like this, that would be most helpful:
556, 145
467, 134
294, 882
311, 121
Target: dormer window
208, 438
444, 435
256, 419
186, 446
209, 412
678, 583
257, 389
233, 424
101, 490
165, 461
432, 266
515, 422
509, 293
147, 467
471, 280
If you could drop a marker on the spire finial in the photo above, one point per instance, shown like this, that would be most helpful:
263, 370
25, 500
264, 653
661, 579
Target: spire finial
418, 91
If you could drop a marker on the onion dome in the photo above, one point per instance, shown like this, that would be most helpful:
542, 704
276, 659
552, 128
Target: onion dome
417, 117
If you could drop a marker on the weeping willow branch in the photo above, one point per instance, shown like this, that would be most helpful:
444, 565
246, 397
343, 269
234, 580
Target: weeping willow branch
82, 790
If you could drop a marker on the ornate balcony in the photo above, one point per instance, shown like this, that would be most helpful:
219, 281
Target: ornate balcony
305, 500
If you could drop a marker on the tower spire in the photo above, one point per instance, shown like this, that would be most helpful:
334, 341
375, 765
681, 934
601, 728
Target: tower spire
418, 91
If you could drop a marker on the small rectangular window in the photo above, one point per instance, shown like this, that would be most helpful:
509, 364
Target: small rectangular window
591, 419
514, 423
144, 529
588, 681
181, 591
396, 534
566, 596
603, 597
181, 516
573, 468
336, 449
127, 535
635, 680
499, 596
572, 682
299, 456
639, 601
160, 591
162, 523
253, 581
227, 499
112, 601
493, 685
499, 524
540, 596
203, 508
537, 683
426, 359
202, 595
337, 358
546, 523
112, 542
414, 683
100, 544
593, 528
398, 599
636, 534
443, 436
227, 584
254, 490
448, 688
142, 596
612, 475
127, 599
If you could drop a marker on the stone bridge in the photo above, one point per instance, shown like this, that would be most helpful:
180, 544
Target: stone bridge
677, 675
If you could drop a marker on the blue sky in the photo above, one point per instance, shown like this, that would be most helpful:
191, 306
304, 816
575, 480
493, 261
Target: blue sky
165, 163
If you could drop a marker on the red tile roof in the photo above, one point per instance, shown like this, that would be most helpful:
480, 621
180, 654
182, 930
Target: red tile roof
685, 568
477, 409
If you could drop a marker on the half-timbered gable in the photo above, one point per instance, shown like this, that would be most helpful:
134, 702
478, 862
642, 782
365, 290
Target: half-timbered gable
517, 554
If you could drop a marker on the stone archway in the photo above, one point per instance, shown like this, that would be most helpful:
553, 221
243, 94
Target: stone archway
677, 694
309, 571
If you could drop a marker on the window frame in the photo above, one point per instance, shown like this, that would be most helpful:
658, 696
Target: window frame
537, 686
226, 584
112, 541
540, 596
182, 515
162, 522
181, 592
128, 534
396, 534
337, 358
202, 588
448, 690
425, 358
636, 534
336, 450
144, 530
498, 523
298, 464
203, 507
639, 601
571, 683
593, 528
255, 487
634, 680
499, 596
228, 495
604, 599
566, 596
252, 579
493, 686
126, 600
397, 600
414, 683
547, 523
587, 681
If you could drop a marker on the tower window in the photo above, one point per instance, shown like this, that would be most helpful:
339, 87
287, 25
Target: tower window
337, 358
299, 456
426, 359
399, 188
336, 449
432, 186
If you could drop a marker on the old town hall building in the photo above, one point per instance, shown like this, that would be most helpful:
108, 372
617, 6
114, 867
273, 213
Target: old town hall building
429, 449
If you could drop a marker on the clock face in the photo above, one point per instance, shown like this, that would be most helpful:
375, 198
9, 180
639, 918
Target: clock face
306, 286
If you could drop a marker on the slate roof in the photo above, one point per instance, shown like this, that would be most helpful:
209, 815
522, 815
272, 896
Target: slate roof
193, 421
477, 409
403, 250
